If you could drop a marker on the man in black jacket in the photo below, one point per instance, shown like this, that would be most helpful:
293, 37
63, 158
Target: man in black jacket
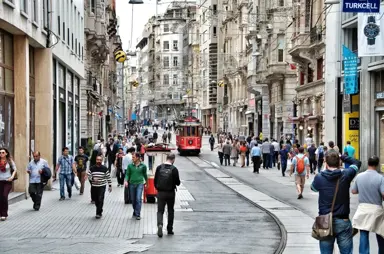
166, 180
112, 150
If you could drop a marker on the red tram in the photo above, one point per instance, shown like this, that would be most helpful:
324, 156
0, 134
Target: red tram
189, 135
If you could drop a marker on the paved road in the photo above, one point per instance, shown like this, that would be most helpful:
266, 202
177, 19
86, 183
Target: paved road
271, 183
210, 218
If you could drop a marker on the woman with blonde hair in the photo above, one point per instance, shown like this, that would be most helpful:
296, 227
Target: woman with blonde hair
7, 175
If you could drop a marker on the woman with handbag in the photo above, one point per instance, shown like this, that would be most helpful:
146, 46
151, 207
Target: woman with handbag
7, 175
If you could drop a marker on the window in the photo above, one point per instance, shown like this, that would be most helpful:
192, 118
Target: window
34, 11
6, 91
280, 49
92, 6
320, 68
61, 76
58, 25
69, 81
214, 8
166, 45
307, 13
175, 61
175, 80
166, 62
31, 71
166, 79
175, 45
68, 37
24, 6
281, 2
166, 28
214, 31
45, 14
64, 31
72, 41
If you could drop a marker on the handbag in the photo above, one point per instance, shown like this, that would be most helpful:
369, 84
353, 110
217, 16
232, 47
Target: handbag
322, 228
12, 170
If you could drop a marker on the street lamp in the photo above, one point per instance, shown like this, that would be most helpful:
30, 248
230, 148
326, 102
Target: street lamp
136, 2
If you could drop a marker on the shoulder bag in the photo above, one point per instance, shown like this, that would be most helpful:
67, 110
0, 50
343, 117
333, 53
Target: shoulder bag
12, 169
322, 228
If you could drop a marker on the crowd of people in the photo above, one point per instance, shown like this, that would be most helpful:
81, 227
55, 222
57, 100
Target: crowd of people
121, 157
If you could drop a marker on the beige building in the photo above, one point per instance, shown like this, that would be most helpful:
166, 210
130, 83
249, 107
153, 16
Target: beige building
271, 79
232, 64
308, 52
99, 90
41, 66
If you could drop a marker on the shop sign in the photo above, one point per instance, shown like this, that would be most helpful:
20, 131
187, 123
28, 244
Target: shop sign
251, 104
350, 71
347, 103
354, 123
361, 6
379, 95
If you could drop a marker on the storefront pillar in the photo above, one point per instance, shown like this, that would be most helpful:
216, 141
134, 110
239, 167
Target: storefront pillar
44, 104
21, 113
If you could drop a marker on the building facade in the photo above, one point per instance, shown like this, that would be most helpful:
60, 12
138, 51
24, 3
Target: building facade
42, 66
308, 53
209, 32
166, 71
99, 89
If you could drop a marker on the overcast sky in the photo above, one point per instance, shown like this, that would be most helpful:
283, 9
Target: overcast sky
141, 14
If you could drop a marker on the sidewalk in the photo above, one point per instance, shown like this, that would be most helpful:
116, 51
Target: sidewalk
70, 226
270, 183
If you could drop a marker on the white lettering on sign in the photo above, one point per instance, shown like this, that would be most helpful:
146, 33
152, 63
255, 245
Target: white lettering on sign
361, 6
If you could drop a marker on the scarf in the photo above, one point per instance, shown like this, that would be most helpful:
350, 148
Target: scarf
3, 166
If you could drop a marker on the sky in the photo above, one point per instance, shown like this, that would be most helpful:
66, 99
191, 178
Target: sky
141, 14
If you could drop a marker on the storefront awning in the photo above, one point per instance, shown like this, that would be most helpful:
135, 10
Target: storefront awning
248, 112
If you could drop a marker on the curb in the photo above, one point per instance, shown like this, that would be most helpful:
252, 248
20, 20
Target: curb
15, 197
280, 249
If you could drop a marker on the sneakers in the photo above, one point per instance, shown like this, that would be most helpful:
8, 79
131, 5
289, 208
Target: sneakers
3, 218
160, 231
171, 232
138, 218
62, 198
98, 216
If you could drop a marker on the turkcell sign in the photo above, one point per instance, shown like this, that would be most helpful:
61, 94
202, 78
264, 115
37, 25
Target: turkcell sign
361, 6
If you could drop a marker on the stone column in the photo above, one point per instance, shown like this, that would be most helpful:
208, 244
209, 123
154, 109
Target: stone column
44, 104
21, 112
314, 105
266, 111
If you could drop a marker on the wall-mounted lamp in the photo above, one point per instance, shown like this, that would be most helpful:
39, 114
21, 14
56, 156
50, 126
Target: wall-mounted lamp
309, 128
301, 127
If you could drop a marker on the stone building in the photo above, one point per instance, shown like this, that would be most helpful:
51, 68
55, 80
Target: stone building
308, 52
271, 77
99, 88
41, 67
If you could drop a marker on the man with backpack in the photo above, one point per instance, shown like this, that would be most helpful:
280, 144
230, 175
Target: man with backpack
166, 180
300, 166
320, 152
67, 167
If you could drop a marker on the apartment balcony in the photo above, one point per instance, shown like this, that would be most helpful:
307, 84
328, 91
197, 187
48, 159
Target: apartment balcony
300, 47
276, 71
316, 37
96, 38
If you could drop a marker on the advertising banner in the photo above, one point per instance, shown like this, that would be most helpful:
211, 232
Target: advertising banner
370, 6
370, 38
351, 128
350, 71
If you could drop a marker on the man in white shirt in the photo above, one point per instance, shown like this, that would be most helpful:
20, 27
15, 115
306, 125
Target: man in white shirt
127, 159
276, 147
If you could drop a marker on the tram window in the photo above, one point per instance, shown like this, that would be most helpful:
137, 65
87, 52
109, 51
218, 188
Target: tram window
200, 131
193, 131
188, 131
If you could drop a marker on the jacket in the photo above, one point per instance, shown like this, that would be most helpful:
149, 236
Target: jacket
325, 184
369, 217
175, 176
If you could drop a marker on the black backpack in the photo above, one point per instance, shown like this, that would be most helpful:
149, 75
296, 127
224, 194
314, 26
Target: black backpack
165, 180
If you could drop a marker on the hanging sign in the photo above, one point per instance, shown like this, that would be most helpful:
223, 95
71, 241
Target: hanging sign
350, 71
370, 6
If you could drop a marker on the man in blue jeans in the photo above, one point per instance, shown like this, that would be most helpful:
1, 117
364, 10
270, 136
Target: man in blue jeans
67, 167
369, 215
325, 184
135, 178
